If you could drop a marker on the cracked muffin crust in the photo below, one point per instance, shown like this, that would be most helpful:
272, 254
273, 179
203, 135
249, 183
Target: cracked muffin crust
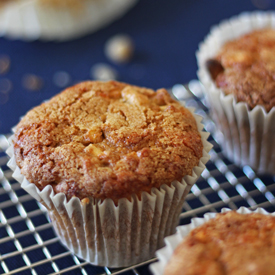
245, 67
229, 244
107, 140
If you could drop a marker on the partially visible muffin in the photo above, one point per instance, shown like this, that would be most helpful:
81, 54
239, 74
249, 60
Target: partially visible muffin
235, 63
58, 20
245, 67
229, 244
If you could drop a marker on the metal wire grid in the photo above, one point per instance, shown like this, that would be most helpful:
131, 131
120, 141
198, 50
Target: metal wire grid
28, 244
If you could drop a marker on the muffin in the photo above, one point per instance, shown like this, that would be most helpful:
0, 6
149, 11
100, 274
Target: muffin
245, 68
113, 164
58, 20
236, 68
229, 243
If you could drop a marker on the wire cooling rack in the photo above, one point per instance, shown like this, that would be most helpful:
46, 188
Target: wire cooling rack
28, 244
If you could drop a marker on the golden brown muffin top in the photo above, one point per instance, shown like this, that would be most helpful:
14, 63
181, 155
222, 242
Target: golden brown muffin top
107, 140
3, 2
64, 3
230, 244
245, 67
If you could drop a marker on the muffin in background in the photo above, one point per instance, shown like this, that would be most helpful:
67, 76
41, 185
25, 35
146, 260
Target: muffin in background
229, 243
245, 67
236, 69
113, 164
58, 20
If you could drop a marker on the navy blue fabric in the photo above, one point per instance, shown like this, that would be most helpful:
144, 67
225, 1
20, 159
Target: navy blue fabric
166, 35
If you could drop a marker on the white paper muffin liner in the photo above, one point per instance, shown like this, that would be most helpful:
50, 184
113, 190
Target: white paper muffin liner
31, 20
247, 135
173, 241
105, 234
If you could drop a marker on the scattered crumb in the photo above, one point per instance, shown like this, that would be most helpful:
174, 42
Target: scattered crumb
32, 82
103, 72
119, 48
4, 64
61, 79
5, 86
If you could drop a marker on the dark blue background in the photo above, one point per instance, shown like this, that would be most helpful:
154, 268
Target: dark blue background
166, 36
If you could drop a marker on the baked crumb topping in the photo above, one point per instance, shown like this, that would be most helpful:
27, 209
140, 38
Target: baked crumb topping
245, 67
230, 244
107, 140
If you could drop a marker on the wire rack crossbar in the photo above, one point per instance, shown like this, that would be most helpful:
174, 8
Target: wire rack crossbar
28, 244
